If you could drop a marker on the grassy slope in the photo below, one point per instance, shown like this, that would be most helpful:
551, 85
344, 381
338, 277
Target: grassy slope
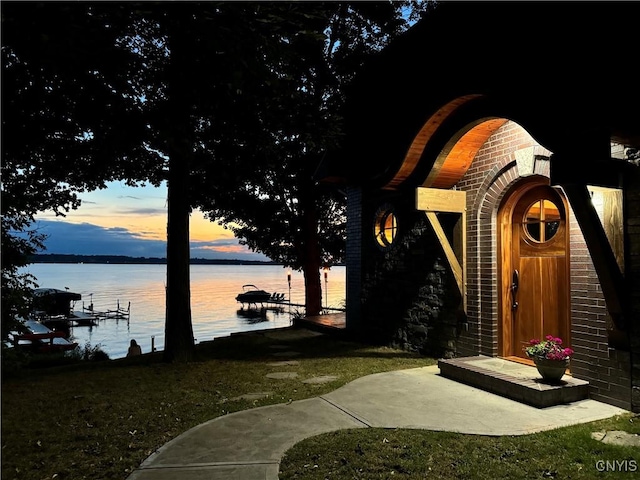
566, 453
101, 420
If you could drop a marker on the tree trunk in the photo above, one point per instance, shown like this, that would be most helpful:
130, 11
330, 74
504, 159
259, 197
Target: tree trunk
178, 337
311, 255
179, 345
312, 288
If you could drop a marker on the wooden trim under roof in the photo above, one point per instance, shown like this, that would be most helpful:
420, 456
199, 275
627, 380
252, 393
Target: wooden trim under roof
455, 159
416, 149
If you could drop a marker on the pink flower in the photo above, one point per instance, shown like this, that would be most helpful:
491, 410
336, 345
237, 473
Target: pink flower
551, 349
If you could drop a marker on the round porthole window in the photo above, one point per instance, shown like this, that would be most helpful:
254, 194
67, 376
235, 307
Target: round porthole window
542, 220
386, 227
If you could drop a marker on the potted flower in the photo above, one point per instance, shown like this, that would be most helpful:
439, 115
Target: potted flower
550, 357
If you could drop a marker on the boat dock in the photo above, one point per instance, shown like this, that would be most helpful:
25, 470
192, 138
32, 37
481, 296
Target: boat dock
54, 308
282, 305
119, 313
332, 320
329, 322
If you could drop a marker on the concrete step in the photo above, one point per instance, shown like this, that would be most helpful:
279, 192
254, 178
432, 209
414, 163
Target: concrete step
513, 380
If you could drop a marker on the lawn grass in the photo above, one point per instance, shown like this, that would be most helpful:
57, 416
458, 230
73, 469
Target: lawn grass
101, 420
374, 453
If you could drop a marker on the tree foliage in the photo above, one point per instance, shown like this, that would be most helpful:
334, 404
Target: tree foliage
69, 123
269, 197
233, 103
216, 86
131, 91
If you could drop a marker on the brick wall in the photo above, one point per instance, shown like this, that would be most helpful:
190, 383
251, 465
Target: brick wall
632, 276
606, 369
353, 257
491, 174
406, 296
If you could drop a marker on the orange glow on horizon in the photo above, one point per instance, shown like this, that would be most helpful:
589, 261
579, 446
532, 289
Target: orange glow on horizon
141, 213
154, 227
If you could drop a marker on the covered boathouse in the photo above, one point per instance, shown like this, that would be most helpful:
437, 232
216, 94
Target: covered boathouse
493, 188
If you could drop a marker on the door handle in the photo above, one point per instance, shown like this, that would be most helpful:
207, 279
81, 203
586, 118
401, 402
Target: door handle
515, 283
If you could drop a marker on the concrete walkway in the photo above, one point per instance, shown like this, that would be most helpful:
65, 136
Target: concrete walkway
248, 445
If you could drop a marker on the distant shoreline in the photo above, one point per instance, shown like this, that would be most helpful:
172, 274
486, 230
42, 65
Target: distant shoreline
123, 260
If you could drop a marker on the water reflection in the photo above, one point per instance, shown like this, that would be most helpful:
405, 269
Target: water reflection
253, 315
214, 310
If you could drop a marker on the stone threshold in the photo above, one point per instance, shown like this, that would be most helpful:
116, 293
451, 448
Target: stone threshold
513, 380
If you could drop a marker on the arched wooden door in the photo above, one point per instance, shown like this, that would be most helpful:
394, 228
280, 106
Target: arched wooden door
535, 267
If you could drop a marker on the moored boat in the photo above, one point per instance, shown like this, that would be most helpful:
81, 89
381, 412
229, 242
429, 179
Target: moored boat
252, 295
36, 337
54, 302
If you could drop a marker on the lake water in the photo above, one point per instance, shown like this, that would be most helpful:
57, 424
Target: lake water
214, 310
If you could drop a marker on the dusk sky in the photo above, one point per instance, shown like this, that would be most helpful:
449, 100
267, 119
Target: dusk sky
131, 221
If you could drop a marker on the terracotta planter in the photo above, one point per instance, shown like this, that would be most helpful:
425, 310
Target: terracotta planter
551, 370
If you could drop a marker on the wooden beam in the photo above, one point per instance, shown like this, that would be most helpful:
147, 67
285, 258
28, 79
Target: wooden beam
609, 273
463, 256
456, 268
438, 200
432, 200
613, 223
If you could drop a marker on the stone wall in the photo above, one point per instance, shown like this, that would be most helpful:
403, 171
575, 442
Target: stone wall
409, 297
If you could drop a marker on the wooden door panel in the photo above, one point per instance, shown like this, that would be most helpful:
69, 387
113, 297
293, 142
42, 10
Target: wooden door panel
555, 301
506, 299
528, 314
542, 262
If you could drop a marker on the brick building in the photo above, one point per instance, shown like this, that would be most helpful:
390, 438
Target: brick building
493, 193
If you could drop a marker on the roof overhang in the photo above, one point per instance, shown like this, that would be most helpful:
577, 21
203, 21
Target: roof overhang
566, 81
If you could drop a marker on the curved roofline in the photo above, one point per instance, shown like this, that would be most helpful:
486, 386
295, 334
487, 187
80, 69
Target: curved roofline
566, 82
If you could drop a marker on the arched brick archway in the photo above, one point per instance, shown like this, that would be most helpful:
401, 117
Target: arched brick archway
490, 170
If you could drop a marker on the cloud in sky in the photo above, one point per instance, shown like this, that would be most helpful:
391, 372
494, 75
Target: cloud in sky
88, 239
123, 220
140, 211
